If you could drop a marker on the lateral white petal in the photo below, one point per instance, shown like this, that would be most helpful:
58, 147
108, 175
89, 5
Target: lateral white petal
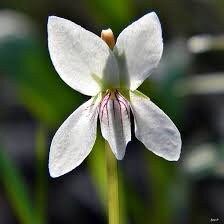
82, 59
115, 123
139, 48
74, 140
154, 128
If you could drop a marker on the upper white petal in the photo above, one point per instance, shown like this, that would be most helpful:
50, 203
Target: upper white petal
74, 140
154, 128
82, 59
138, 49
115, 123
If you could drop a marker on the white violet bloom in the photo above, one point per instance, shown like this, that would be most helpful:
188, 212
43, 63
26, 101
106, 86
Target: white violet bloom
109, 72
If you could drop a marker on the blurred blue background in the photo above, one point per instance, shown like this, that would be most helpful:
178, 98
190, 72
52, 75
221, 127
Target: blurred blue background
188, 85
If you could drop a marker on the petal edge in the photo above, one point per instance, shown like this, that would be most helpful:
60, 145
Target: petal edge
155, 129
81, 58
73, 140
138, 49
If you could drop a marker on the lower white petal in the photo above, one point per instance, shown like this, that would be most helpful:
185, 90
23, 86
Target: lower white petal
154, 128
74, 139
115, 122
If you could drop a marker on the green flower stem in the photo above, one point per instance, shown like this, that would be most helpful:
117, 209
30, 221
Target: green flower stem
112, 186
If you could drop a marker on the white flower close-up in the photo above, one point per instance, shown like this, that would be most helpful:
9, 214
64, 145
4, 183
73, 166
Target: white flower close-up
110, 73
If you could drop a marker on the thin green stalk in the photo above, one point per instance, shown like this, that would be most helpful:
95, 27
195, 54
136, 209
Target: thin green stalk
16, 189
112, 186
41, 181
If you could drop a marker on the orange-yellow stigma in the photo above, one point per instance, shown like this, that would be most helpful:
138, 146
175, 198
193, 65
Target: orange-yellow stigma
108, 37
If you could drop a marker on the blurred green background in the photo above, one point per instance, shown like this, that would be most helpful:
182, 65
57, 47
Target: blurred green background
188, 85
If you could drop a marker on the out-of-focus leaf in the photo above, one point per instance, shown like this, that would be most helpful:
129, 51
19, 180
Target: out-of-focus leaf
135, 208
204, 160
16, 190
112, 13
97, 167
161, 176
26, 63
202, 43
15, 24
41, 169
202, 84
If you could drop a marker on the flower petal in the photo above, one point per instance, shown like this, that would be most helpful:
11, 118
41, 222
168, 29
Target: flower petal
139, 48
82, 59
115, 123
74, 140
154, 128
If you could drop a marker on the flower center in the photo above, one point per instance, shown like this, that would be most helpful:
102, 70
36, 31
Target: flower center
115, 105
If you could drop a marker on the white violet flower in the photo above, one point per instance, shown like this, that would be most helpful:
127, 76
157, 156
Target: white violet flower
109, 72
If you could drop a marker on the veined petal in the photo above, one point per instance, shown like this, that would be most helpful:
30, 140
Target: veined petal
82, 59
154, 128
74, 140
138, 49
115, 123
